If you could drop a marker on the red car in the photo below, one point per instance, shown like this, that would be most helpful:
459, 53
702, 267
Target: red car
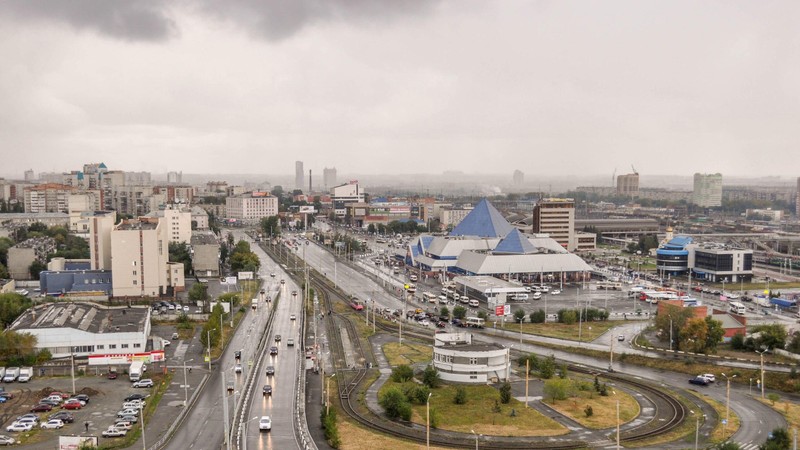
42, 407
72, 405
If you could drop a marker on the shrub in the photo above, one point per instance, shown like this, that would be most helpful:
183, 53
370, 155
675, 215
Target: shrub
402, 373
461, 396
395, 404
505, 393
430, 377
588, 411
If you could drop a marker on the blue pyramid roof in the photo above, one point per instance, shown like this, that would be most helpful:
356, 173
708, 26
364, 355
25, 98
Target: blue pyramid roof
483, 221
515, 243
102, 166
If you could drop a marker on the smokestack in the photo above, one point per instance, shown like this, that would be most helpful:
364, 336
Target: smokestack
309, 181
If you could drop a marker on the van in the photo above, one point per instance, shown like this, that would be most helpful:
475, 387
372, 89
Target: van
474, 303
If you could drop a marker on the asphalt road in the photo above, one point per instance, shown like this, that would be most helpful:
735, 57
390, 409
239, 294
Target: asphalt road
203, 429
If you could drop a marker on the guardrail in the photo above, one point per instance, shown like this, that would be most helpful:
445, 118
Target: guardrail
300, 428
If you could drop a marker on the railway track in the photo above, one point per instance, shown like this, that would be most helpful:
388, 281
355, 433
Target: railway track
670, 412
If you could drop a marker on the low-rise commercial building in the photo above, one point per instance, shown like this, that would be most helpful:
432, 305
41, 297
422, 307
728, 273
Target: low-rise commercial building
205, 254
22, 255
459, 360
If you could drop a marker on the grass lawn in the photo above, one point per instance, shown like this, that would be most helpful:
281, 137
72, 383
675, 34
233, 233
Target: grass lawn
354, 437
791, 411
604, 408
589, 330
721, 432
407, 353
477, 414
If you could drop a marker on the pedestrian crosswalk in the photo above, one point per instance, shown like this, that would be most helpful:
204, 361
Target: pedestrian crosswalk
748, 446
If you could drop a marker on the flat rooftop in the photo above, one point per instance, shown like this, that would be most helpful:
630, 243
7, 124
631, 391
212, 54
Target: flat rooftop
83, 316
201, 238
137, 226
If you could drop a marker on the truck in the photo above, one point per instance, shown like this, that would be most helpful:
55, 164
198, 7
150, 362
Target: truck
11, 374
136, 370
25, 374
783, 302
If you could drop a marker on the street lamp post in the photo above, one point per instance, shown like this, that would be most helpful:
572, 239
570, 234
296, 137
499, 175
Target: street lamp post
761, 354
428, 421
208, 342
141, 417
328, 396
476, 438
508, 362
727, 402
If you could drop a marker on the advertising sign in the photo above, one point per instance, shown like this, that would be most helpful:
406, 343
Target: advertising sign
76, 442
230, 280
502, 310
245, 276
308, 209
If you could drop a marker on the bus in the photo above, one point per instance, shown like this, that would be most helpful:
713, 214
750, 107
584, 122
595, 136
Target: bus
737, 308
609, 285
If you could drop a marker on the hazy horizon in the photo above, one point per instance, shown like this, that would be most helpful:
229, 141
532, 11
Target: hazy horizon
407, 87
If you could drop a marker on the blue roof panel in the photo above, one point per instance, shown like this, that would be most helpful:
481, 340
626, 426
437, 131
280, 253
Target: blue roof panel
515, 243
483, 221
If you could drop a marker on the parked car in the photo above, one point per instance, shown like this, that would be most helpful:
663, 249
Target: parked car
135, 397
127, 412
6, 440
265, 424
144, 383
700, 381
131, 419
82, 397
113, 432
73, 404
42, 407
63, 416
123, 425
16, 427
28, 417
266, 390
52, 424
112, 375
135, 405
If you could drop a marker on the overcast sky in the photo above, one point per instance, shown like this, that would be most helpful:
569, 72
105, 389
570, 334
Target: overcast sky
401, 86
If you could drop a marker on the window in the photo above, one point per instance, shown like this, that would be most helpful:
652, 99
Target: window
112, 346
101, 347
134, 272
137, 345
473, 361
135, 282
124, 345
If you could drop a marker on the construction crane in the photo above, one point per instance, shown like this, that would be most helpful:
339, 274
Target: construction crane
634, 170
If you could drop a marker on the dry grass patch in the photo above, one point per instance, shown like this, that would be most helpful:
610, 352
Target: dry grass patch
604, 408
408, 354
791, 411
589, 331
356, 438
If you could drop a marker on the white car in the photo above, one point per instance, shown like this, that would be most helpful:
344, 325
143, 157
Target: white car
16, 426
238, 368
709, 376
186, 309
265, 424
52, 424
132, 405
145, 383
128, 412
122, 425
7, 440
555, 291
165, 343
292, 317
114, 432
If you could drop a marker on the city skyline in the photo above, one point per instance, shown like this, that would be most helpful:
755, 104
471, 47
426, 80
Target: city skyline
401, 88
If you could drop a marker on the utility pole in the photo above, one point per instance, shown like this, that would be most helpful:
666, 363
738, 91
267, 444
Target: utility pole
527, 379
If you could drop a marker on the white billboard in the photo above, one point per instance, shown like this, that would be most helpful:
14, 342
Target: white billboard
230, 280
245, 276
308, 209
76, 442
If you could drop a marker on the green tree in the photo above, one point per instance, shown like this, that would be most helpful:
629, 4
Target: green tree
459, 312
537, 316
430, 377
460, 396
271, 226
778, 440
693, 336
179, 252
519, 316
773, 397
402, 373
371, 228
12, 305
444, 312
18, 349
675, 316
569, 317
505, 393
36, 268
556, 389
3, 272
198, 292
714, 335
772, 335
395, 404
547, 367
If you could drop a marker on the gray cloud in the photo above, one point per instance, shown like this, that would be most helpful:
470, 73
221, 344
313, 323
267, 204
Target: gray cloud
126, 20
276, 20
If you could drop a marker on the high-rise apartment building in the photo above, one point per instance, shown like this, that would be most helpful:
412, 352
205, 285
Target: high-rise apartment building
329, 177
628, 185
48, 197
518, 177
175, 177
299, 175
556, 217
101, 223
707, 191
29, 176
140, 256
178, 223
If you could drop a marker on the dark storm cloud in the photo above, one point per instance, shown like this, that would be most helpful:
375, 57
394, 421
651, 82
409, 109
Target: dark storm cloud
126, 20
276, 20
